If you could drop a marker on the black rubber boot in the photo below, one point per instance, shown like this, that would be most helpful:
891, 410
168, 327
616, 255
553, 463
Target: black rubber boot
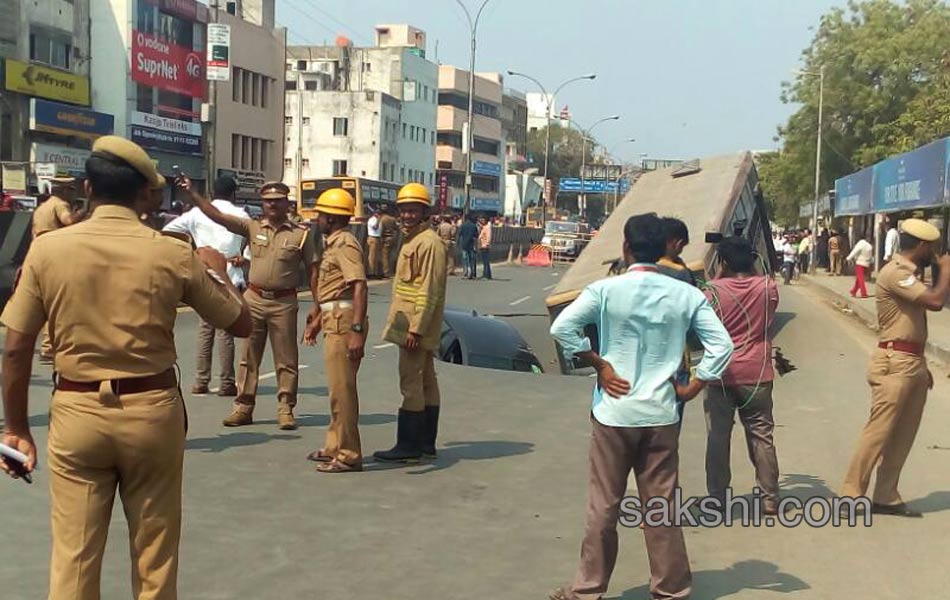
430, 432
408, 448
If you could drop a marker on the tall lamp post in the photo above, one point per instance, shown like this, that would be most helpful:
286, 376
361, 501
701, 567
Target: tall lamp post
619, 177
582, 205
549, 104
821, 101
469, 142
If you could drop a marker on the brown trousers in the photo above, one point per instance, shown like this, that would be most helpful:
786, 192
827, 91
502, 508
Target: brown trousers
899, 383
388, 247
653, 454
342, 441
206, 336
834, 257
721, 404
373, 248
98, 443
451, 251
277, 320
417, 380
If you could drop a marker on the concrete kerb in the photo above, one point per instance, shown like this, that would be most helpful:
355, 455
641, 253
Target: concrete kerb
936, 350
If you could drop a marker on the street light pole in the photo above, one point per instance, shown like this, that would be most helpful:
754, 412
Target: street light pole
549, 104
469, 142
582, 204
821, 105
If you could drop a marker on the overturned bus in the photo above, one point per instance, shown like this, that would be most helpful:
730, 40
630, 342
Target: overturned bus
717, 195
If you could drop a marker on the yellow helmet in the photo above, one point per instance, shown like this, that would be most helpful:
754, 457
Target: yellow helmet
336, 202
413, 193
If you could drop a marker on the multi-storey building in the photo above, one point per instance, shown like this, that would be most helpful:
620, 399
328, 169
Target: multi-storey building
514, 124
364, 112
488, 145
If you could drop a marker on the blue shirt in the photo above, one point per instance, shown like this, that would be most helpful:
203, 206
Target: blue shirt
642, 318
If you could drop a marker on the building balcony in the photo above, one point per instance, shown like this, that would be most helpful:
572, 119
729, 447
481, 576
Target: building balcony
444, 155
453, 119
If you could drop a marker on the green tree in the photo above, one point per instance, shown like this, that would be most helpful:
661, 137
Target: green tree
566, 152
886, 91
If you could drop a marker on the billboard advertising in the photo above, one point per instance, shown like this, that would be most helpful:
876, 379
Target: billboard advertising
167, 66
62, 119
915, 179
853, 193
43, 82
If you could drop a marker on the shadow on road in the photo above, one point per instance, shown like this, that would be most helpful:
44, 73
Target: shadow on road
803, 487
454, 452
932, 502
781, 320
220, 443
318, 390
721, 583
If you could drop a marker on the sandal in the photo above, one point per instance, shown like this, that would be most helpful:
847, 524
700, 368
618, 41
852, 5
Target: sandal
336, 466
319, 456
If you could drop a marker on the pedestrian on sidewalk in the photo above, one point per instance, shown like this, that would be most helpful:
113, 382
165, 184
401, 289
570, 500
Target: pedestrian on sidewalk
746, 303
634, 413
891, 238
447, 233
374, 244
834, 254
205, 232
415, 325
861, 255
484, 246
804, 252
789, 258
898, 372
822, 251
468, 239
340, 313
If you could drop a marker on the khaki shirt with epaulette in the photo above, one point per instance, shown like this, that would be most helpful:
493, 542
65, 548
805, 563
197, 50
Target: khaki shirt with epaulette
277, 253
50, 216
418, 289
111, 307
340, 267
899, 317
388, 227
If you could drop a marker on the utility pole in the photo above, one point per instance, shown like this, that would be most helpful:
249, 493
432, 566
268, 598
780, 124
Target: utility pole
299, 135
469, 142
212, 147
821, 102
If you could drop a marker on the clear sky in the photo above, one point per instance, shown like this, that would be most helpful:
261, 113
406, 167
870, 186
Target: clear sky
689, 77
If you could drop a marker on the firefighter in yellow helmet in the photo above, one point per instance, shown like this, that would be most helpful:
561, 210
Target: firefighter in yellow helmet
340, 312
414, 324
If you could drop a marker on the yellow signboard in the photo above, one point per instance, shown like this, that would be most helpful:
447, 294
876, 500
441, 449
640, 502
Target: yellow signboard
45, 82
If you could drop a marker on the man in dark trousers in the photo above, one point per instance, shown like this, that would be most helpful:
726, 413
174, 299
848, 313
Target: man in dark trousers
467, 238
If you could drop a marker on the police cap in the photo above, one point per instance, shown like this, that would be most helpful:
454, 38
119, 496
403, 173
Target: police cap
130, 153
274, 190
920, 229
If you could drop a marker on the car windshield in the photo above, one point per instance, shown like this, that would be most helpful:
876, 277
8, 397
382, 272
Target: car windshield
560, 227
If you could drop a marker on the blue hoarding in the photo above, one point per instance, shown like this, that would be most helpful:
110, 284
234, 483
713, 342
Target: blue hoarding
591, 186
481, 167
63, 119
853, 193
492, 204
168, 141
915, 179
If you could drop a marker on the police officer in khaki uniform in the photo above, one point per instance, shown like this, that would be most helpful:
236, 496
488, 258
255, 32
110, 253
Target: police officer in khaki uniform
415, 325
117, 420
56, 213
898, 373
389, 229
278, 250
341, 315
447, 232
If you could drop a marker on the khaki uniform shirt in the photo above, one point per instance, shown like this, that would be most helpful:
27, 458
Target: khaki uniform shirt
340, 267
276, 254
50, 215
899, 318
418, 289
447, 232
388, 227
111, 307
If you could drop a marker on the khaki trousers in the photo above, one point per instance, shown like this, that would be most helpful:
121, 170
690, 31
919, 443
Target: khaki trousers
275, 319
721, 404
388, 244
835, 259
342, 441
206, 336
96, 444
653, 454
373, 248
450, 254
899, 383
417, 380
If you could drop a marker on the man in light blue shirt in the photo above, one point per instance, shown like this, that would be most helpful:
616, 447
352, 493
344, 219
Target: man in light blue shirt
642, 318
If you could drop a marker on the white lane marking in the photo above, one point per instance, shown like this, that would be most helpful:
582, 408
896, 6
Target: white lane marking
381, 346
274, 373
519, 301
555, 274
550, 287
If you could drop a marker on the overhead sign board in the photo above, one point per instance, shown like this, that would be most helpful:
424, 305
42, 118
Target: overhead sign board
915, 179
481, 167
853, 193
603, 171
219, 51
592, 186
162, 64
46, 82
63, 119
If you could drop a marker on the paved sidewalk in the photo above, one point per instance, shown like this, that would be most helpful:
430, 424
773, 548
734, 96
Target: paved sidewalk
938, 344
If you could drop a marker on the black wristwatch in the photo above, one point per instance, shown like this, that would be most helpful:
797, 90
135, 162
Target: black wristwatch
356, 328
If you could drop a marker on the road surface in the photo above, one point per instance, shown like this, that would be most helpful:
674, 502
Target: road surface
500, 514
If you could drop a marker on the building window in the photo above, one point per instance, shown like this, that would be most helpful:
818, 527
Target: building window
341, 126
310, 86
412, 132
50, 49
235, 150
246, 77
235, 83
265, 91
245, 152
392, 172
433, 138
306, 120
431, 178
290, 85
255, 154
255, 89
339, 168
367, 67
143, 99
403, 131
288, 120
305, 163
402, 174
424, 136
265, 148
425, 93
288, 162
301, 65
